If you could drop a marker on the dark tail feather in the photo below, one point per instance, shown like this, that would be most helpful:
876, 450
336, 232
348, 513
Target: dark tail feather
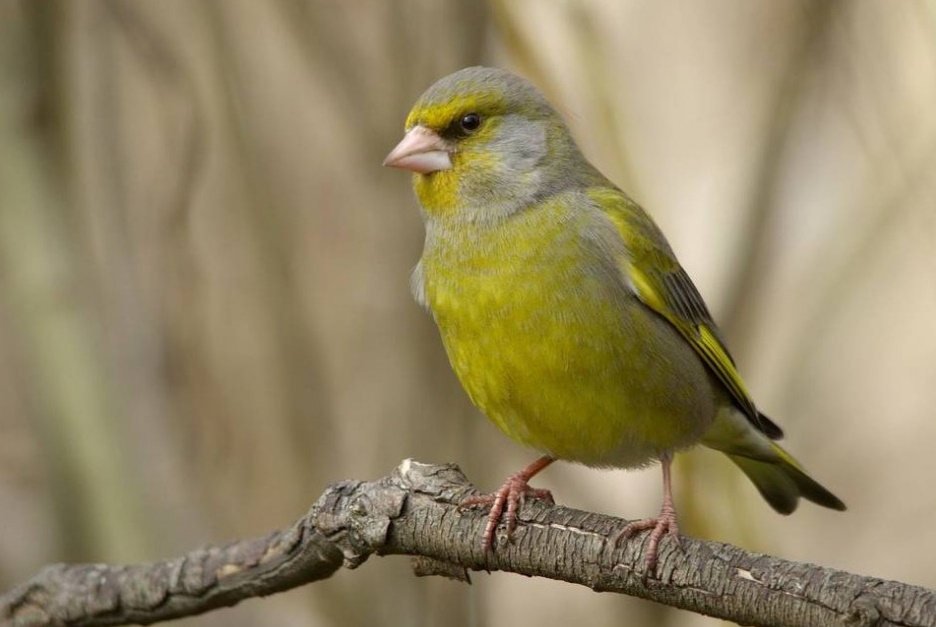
783, 482
771, 429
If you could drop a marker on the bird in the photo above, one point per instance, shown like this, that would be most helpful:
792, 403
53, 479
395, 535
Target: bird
564, 311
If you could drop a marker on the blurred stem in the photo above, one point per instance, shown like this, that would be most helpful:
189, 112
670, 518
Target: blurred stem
524, 53
596, 66
38, 271
838, 284
887, 209
742, 303
297, 363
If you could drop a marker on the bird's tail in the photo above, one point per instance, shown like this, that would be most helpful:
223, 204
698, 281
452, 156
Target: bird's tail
778, 477
782, 481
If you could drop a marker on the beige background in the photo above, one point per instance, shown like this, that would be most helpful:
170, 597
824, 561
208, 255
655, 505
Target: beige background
204, 306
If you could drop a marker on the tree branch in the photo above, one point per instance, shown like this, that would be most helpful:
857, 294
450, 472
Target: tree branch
413, 512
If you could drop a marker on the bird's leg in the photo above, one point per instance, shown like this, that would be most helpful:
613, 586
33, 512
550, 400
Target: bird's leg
664, 523
510, 495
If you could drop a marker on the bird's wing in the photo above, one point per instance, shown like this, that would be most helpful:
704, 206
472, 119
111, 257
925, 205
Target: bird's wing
663, 286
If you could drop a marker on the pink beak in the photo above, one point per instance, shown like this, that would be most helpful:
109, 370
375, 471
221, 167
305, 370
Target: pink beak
421, 150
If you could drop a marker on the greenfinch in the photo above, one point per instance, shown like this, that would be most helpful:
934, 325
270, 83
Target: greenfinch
563, 310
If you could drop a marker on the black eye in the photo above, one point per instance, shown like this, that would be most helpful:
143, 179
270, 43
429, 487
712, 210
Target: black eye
470, 122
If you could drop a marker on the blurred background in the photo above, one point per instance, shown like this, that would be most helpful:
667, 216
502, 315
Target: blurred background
205, 314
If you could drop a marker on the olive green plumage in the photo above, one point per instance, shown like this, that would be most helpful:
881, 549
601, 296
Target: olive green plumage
562, 308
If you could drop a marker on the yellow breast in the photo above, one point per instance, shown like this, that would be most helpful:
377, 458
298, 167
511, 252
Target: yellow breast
550, 344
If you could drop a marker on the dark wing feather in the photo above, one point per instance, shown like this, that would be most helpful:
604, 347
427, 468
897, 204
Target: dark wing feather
663, 286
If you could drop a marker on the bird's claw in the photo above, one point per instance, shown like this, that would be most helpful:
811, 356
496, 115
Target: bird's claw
658, 526
505, 503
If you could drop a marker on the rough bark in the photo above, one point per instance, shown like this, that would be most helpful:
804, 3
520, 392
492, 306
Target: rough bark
413, 512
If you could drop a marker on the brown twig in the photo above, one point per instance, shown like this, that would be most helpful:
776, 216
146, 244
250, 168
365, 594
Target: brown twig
413, 511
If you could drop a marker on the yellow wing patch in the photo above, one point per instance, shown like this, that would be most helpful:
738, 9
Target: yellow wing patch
662, 284
718, 360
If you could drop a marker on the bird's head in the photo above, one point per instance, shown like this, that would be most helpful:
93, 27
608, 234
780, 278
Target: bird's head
484, 143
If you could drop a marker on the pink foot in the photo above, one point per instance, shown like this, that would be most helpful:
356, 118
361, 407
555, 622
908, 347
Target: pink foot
662, 524
659, 526
507, 500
